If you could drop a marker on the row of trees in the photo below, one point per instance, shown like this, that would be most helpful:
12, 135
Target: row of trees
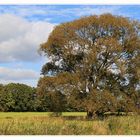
15, 97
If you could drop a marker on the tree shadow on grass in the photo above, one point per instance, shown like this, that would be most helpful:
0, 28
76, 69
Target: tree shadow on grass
74, 118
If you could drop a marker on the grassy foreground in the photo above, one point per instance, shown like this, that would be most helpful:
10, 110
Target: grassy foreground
41, 124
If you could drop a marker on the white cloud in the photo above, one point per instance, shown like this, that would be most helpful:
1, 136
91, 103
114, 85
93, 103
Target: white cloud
20, 39
26, 76
17, 74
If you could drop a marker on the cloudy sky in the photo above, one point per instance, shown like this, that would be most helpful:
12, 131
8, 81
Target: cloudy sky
24, 28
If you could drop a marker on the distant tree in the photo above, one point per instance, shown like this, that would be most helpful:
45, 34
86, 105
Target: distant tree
6, 101
1, 87
96, 58
17, 97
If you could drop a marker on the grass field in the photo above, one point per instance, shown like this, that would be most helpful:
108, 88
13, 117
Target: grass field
36, 114
42, 124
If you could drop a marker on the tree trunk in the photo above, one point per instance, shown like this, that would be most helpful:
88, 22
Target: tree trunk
92, 115
100, 115
89, 115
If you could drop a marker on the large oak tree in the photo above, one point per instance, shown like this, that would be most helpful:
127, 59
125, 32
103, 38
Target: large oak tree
95, 62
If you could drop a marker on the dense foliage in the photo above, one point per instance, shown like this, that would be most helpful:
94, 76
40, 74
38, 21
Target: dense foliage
17, 97
94, 63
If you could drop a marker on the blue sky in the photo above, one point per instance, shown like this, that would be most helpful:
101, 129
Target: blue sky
24, 27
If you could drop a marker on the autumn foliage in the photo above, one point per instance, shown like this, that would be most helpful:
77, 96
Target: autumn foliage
94, 65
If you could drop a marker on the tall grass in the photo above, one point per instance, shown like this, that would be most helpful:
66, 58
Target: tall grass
45, 125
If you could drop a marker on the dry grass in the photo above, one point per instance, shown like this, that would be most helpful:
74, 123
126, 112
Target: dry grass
45, 125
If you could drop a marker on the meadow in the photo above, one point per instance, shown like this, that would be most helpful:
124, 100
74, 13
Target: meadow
40, 123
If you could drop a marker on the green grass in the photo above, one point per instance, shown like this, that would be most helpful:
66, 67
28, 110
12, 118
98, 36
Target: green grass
22, 114
42, 124
35, 114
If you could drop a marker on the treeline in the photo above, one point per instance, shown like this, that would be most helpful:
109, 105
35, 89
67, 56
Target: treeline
15, 97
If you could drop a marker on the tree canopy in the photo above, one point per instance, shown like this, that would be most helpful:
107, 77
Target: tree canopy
94, 61
17, 97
